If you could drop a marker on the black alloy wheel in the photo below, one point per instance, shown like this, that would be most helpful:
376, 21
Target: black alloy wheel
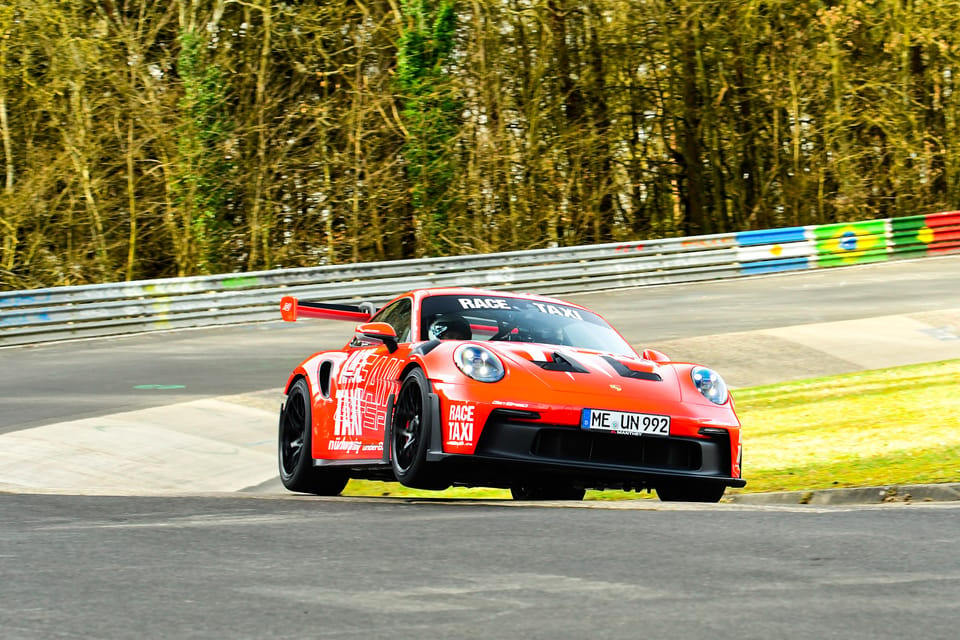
297, 472
410, 437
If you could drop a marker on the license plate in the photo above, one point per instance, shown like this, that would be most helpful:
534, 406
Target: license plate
634, 424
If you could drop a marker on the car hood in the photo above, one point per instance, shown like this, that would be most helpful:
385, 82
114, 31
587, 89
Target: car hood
574, 371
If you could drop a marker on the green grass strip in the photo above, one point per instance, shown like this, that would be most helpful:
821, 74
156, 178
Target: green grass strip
887, 426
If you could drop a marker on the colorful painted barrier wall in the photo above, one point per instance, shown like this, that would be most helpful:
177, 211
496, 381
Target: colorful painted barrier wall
847, 243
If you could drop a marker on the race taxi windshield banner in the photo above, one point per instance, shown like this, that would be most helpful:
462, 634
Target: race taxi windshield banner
505, 318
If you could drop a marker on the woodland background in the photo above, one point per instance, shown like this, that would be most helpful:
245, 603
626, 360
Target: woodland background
146, 138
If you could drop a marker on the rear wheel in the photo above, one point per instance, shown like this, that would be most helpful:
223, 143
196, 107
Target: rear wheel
297, 472
410, 438
690, 491
553, 492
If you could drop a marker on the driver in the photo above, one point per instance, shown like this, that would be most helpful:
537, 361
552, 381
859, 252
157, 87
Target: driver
450, 326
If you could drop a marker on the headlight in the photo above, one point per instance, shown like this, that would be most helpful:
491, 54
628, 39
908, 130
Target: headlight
479, 363
710, 384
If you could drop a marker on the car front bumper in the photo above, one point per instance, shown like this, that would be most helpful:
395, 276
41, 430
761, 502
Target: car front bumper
511, 451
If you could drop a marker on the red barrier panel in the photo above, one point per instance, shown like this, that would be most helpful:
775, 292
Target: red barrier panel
944, 232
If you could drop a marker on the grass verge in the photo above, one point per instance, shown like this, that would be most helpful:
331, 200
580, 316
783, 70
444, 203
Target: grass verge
887, 426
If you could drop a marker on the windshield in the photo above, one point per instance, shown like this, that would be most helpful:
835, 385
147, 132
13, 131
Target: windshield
479, 317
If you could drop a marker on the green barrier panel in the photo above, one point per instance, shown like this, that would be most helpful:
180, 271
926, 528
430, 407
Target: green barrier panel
909, 236
851, 243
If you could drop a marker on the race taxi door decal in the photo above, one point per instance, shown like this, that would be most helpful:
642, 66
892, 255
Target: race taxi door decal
364, 383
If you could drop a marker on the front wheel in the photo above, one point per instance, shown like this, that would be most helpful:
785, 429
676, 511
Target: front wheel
297, 472
410, 438
690, 491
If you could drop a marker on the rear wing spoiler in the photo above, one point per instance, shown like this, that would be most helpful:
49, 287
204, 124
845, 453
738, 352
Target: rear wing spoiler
291, 309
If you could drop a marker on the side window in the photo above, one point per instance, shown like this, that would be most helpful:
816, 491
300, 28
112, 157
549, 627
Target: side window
397, 316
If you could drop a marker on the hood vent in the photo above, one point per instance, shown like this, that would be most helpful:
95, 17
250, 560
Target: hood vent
627, 372
561, 362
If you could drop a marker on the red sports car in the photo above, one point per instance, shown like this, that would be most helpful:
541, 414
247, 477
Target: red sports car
468, 387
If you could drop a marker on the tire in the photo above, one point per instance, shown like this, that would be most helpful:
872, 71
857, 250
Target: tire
555, 492
410, 434
294, 445
690, 491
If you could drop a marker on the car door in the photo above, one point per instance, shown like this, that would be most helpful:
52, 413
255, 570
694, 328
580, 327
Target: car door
364, 383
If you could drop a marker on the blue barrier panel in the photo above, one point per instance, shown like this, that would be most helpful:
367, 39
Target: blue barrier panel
774, 266
771, 236
26, 318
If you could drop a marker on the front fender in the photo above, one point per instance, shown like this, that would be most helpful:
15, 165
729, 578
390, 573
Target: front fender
320, 370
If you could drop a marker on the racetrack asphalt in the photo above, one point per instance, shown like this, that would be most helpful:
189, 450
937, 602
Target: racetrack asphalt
294, 567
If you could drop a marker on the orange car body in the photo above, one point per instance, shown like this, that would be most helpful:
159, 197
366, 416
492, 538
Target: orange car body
574, 405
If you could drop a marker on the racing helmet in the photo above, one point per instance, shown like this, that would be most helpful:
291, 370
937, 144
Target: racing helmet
450, 326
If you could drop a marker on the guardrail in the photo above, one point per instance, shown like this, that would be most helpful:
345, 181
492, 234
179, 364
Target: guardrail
58, 313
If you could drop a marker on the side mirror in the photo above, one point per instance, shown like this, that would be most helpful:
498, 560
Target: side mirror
379, 331
655, 356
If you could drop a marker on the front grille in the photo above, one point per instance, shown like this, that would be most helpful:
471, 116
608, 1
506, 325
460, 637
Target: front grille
603, 448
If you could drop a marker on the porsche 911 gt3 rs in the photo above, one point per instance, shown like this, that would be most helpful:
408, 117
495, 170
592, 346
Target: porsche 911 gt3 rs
469, 387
